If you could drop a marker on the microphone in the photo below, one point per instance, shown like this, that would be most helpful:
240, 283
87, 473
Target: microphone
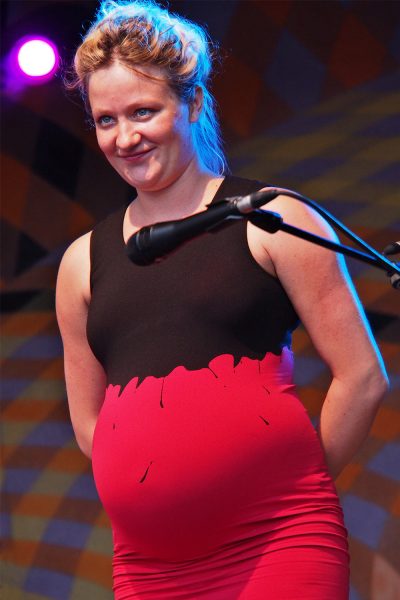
393, 248
154, 242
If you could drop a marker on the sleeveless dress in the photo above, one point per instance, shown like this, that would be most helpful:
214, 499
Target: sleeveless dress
204, 458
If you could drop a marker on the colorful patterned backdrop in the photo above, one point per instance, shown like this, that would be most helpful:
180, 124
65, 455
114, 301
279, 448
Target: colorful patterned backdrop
309, 95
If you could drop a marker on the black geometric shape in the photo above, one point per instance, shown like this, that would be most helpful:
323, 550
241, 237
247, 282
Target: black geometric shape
9, 241
29, 253
385, 327
57, 157
17, 123
145, 473
13, 301
38, 300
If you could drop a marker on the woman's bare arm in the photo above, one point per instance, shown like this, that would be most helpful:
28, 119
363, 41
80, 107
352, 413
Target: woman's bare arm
85, 378
317, 282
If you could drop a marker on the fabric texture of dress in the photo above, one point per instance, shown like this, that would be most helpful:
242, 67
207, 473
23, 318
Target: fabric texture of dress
203, 456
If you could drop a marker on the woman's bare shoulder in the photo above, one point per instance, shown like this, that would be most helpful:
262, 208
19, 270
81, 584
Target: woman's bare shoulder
78, 249
74, 271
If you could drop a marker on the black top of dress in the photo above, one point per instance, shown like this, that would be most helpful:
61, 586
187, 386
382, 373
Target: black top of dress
208, 298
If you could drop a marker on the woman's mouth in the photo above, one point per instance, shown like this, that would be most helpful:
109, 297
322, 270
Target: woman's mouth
135, 156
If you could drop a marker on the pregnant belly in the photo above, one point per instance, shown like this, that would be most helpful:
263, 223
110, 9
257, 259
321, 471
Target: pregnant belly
180, 461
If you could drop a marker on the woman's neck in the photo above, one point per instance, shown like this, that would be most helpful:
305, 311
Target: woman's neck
187, 195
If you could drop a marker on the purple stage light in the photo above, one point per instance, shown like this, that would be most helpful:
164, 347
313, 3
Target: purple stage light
32, 60
37, 58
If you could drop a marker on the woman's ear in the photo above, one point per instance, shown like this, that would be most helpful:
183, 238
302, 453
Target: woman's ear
196, 105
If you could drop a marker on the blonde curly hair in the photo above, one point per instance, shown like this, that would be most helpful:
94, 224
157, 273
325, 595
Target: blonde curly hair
140, 32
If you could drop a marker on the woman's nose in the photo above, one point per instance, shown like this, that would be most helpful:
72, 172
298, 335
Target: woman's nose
127, 137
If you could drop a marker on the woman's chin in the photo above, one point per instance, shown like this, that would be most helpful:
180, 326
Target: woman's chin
142, 181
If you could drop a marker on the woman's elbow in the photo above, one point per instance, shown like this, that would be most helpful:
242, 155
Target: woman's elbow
376, 384
84, 439
85, 447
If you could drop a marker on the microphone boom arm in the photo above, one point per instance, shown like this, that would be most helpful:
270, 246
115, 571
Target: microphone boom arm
268, 221
264, 219
380, 258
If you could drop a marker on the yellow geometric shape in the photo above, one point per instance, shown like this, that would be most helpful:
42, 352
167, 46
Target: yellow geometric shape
387, 424
29, 410
27, 323
69, 460
40, 505
95, 567
388, 104
347, 476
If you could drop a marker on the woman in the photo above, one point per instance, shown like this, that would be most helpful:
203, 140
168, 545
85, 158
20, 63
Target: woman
179, 374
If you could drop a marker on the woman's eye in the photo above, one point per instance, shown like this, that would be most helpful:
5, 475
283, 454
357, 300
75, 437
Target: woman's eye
143, 112
104, 120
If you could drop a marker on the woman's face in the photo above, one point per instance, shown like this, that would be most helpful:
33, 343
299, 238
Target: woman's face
142, 127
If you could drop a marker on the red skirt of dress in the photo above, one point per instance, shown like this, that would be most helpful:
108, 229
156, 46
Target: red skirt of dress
216, 487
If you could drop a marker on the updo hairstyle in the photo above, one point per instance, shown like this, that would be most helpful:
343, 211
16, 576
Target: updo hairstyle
140, 32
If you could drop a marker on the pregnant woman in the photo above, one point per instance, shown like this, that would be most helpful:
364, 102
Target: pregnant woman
179, 374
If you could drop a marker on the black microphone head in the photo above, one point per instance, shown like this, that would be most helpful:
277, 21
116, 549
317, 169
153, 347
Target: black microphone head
393, 248
155, 242
138, 248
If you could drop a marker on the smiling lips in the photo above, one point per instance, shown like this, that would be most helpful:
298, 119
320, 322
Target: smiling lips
135, 156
